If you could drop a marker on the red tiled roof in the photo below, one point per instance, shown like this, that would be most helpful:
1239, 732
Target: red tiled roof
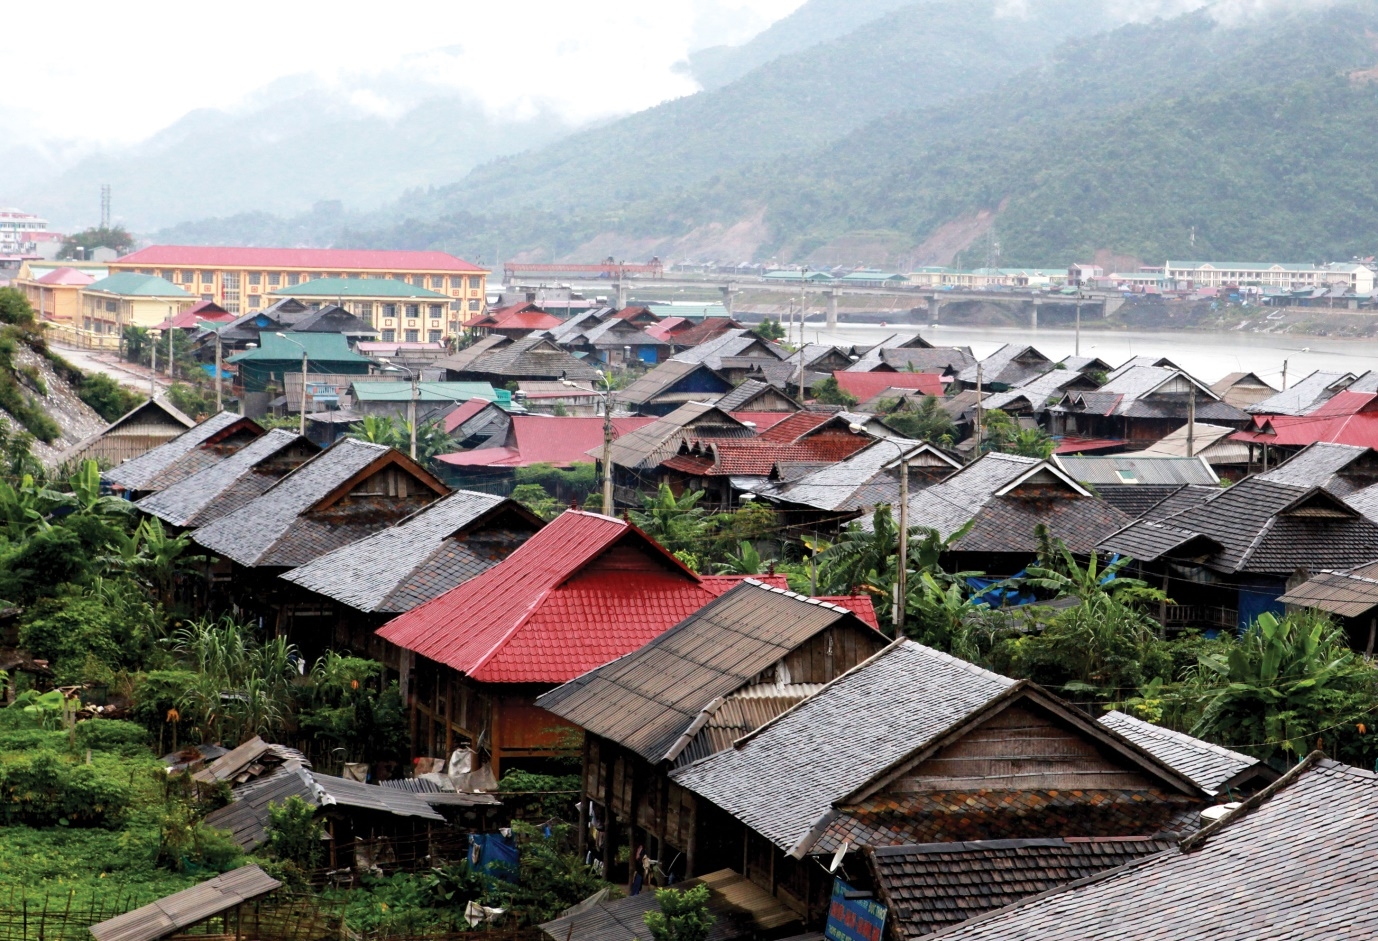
74, 277
705, 330
868, 385
860, 605
462, 414
668, 327
795, 426
583, 591
208, 311
546, 439
722, 584
762, 420
1347, 418
518, 317
1074, 445
325, 259
627, 313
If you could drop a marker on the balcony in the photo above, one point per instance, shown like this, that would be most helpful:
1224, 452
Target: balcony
1202, 616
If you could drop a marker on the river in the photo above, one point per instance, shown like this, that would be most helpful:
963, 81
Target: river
1208, 356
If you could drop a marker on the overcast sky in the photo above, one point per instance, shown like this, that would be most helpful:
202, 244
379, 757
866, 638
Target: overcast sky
117, 72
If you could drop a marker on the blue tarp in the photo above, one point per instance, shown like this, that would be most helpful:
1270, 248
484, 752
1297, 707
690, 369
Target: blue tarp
1009, 596
494, 854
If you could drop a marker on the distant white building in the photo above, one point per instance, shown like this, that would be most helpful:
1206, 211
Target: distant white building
1217, 274
20, 231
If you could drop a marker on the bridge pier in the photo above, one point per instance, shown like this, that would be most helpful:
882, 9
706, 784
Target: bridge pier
935, 308
1033, 313
728, 293
621, 288
832, 308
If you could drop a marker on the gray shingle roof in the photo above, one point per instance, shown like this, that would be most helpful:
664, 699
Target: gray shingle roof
1262, 526
271, 530
1303, 396
1037, 391
648, 445
395, 570
222, 488
139, 472
651, 699
933, 885
1294, 863
783, 779
743, 394
859, 482
731, 343
1315, 465
1209, 765
1012, 364
660, 379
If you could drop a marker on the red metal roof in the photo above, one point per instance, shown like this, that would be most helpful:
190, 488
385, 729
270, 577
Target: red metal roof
583, 591
1347, 418
868, 385
546, 439
763, 421
73, 277
524, 316
722, 584
462, 414
325, 259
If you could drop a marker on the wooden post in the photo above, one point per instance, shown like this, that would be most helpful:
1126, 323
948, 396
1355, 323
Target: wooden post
632, 796
691, 851
1372, 635
586, 803
662, 813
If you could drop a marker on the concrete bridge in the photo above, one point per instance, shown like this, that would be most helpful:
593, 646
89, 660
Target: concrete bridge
1094, 305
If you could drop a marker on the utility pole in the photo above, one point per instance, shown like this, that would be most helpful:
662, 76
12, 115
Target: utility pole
1077, 349
976, 452
219, 381
1284, 375
903, 583
301, 425
169, 344
1191, 423
411, 410
608, 509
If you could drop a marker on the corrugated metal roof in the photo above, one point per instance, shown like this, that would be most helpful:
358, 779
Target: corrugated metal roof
654, 699
1346, 594
186, 908
1137, 469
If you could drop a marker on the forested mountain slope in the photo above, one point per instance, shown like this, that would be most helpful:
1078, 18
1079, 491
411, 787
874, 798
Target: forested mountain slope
923, 54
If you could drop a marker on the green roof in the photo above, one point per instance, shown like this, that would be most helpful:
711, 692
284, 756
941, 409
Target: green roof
384, 391
133, 284
798, 276
357, 287
320, 348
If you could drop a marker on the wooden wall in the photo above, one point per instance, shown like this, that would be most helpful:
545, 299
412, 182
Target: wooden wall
1022, 748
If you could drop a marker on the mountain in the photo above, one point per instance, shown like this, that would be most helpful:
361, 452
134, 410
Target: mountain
283, 155
1244, 138
815, 22
920, 55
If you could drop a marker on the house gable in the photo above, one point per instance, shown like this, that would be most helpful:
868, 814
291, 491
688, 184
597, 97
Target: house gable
393, 478
1023, 747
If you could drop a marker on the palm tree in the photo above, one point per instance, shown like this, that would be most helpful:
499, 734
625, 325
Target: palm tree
677, 523
1269, 693
746, 561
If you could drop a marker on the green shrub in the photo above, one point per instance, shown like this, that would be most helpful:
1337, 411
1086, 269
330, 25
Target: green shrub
109, 399
43, 788
113, 735
294, 834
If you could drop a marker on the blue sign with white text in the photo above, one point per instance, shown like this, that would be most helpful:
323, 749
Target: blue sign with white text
853, 919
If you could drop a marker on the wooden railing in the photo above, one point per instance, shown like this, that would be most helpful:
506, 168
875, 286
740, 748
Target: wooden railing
1197, 615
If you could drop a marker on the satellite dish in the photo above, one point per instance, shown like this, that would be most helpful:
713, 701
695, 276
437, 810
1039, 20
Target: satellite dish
839, 855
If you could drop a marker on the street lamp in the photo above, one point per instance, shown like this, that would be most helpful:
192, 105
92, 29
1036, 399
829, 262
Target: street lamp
902, 584
301, 429
390, 366
608, 508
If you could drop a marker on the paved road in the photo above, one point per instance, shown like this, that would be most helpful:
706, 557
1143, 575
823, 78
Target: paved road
108, 362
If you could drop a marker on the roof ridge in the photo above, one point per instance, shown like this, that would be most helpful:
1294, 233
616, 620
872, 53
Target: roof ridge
1151, 728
